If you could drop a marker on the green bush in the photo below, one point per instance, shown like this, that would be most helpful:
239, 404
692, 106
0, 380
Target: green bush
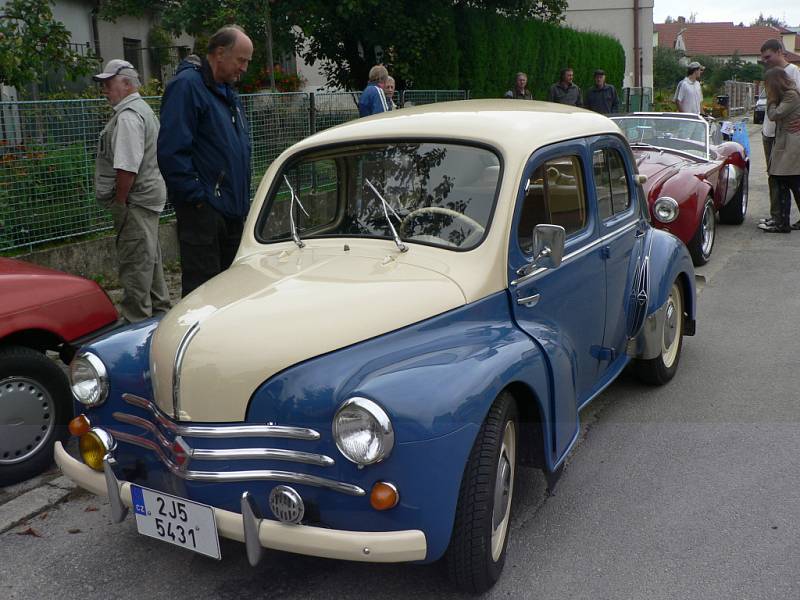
46, 192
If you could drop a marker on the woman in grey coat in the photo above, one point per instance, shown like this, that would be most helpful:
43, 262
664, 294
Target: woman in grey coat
783, 107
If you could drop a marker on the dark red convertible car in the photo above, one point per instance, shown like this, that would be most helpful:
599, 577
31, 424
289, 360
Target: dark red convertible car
692, 175
40, 310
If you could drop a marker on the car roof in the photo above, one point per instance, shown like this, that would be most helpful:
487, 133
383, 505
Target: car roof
513, 126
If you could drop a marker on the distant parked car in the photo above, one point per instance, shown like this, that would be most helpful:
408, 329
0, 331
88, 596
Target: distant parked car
422, 302
691, 175
760, 108
41, 310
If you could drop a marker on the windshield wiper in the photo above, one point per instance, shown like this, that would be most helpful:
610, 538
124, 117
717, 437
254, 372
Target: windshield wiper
400, 245
295, 236
646, 145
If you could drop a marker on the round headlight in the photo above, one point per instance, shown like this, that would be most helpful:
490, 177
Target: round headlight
665, 209
363, 431
89, 379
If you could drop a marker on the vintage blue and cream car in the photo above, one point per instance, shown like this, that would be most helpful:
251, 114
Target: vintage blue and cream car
422, 301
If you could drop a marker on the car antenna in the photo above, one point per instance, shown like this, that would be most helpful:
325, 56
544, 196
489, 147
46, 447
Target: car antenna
295, 236
400, 245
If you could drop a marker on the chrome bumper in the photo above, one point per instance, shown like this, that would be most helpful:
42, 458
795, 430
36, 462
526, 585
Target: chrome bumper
257, 533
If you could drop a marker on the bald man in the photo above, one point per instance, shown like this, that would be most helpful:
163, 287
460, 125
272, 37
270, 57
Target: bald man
204, 155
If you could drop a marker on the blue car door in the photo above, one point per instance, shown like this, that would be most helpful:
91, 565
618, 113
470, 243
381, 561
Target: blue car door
562, 309
622, 233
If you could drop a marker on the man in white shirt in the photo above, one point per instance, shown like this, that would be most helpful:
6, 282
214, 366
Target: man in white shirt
689, 95
772, 56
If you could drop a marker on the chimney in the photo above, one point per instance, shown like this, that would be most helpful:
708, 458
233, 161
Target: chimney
681, 19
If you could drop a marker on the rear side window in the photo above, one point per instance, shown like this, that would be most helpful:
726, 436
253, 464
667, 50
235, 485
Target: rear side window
553, 195
611, 182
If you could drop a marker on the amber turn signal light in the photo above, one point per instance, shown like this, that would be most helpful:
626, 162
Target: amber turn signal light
79, 425
384, 496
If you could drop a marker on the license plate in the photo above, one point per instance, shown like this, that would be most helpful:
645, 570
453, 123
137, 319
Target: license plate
176, 520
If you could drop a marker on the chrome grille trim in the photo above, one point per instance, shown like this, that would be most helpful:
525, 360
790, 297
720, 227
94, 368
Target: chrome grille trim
144, 424
210, 431
229, 476
308, 458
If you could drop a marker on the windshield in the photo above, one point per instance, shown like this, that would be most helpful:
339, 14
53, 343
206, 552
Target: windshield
427, 192
685, 135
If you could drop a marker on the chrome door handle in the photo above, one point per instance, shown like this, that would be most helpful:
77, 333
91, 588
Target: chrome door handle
529, 300
639, 232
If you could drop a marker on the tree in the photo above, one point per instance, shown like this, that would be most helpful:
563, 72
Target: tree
346, 36
769, 21
667, 70
33, 44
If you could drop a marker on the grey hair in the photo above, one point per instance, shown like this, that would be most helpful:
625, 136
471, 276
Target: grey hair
225, 38
134, 81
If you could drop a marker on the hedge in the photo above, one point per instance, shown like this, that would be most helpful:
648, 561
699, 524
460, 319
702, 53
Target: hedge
482, 51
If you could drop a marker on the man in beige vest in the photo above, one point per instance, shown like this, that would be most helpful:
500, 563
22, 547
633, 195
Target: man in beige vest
129, 184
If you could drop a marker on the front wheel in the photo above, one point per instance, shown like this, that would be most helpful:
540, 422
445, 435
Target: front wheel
662, 368
734, 211
35, 402
702, 243
477, 551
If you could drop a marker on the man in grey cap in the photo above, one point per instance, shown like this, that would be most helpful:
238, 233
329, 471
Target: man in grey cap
689, 94
129, 184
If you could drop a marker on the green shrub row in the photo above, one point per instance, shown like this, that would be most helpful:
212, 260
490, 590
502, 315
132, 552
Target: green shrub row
482, 51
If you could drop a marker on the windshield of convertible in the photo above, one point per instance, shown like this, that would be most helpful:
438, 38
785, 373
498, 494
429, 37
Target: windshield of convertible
684, 135
434, 193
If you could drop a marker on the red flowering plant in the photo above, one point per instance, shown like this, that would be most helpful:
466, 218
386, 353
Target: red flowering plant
259, 80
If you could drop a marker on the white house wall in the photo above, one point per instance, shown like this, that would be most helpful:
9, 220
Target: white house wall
616, 18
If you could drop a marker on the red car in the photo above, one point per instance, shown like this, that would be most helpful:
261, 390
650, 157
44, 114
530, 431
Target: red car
692, 174
41, 310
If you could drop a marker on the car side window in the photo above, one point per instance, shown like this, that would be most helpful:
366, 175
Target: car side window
611, 182
554, 195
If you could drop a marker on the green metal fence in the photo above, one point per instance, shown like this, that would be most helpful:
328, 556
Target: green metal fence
47, 152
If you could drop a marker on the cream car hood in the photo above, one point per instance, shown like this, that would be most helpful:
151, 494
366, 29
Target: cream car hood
272, 310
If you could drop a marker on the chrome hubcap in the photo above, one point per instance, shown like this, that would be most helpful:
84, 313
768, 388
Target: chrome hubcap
28, 418
503, 489
708, 225
673, 323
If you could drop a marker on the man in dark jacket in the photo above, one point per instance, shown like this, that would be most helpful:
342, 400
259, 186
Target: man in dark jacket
373, 100
602, 97
565, 92
204, 155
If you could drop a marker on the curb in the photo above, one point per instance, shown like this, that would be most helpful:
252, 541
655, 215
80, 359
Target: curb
33, 502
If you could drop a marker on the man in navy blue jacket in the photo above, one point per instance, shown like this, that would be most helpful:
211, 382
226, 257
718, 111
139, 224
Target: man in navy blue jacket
204, 155
373, 100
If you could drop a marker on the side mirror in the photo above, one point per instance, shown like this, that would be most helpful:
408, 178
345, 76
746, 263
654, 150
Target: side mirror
640, 179
548, 246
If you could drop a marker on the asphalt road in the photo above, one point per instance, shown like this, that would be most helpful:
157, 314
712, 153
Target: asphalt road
687, 491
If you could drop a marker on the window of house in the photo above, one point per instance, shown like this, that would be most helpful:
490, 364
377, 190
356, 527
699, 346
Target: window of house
132, 52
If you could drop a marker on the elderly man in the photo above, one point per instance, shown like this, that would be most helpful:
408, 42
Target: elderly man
373, 98
388, 91
602, 97
204, 155
689, 93
565, 92
129, 184
520, 91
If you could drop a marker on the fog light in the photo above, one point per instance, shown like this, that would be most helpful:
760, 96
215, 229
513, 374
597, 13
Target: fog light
79, 425
384, 496
94, 445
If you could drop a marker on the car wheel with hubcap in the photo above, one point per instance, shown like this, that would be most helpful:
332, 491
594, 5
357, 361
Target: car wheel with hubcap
662, 368
34, 411
477, 551
702, 243
733, 212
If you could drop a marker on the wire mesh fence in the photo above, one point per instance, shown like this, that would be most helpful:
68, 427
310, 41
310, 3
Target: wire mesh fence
48, 149
418, 97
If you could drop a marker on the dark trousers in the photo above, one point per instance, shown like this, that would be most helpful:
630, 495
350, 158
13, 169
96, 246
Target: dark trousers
785, 185
779, 197
208, 242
